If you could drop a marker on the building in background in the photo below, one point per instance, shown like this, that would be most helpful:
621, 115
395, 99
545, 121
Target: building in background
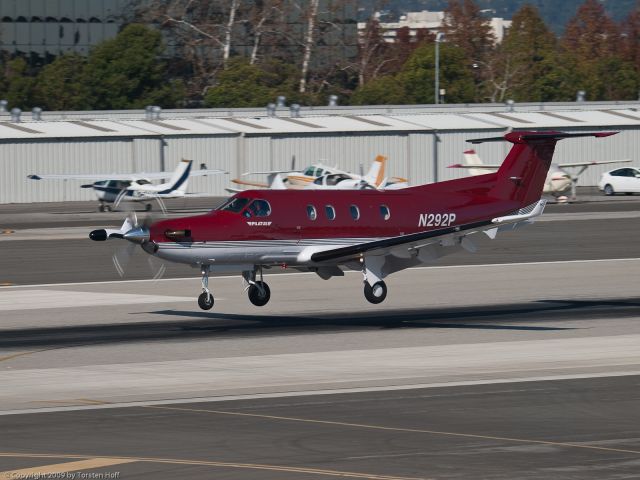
420, 141
419, 23
47, 28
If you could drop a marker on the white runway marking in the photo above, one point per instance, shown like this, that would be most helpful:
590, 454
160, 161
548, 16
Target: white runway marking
223, 277
336, 391
47, 299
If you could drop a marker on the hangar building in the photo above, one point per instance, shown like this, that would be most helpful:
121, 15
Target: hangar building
420, 141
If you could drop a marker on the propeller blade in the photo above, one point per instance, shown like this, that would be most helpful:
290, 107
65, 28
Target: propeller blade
121, 258
119, 198
156, 267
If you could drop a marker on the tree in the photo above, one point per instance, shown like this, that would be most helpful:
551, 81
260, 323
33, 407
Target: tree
592, 44
384, 90
244, 85
465, 27
524, 66
60, 85
19, 83
128, 72
418, 75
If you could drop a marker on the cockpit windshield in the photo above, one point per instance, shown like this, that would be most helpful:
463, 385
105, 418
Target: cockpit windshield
235, 205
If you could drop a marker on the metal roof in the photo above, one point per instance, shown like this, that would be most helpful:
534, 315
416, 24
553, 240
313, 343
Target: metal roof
171, 123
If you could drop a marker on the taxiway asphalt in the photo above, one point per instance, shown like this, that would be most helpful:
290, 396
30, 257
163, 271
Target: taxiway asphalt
525, 364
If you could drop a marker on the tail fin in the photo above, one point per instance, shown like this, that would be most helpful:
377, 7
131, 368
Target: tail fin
180, 177
522, 175
375, 175
472, 158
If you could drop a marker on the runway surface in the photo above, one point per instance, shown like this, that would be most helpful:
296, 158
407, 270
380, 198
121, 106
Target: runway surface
524, 364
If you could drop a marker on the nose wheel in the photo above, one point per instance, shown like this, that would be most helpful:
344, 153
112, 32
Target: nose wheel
205, 300
375, 293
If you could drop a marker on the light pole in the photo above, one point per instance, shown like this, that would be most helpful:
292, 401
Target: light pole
439, 39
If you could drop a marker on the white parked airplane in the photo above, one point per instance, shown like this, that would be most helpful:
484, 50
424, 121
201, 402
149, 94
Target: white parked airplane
558, 179
321, 177
136, 187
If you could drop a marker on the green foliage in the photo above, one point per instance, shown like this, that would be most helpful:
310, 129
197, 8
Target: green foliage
128, 72
418, 75
245, 85
60, 85
18, 85
385, 90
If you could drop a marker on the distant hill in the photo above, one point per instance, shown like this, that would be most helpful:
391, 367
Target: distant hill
555, 13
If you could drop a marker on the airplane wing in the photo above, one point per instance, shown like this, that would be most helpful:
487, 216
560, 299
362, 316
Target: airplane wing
96, 178
587, 164
250, 184
201, 173
478, 167
448, 236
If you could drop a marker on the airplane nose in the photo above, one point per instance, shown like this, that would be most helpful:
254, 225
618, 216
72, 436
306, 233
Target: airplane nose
98, 235
137, 235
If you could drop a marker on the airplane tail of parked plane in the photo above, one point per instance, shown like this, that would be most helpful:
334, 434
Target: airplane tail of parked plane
375, 175
522, 175
472, 158
180, 178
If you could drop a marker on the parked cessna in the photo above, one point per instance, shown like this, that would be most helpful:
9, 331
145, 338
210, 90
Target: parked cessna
558, 179
375, 232
136, 187
318, 177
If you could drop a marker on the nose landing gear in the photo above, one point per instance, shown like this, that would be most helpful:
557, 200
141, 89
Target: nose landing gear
205, 300
258, 291
375, 293
375, 290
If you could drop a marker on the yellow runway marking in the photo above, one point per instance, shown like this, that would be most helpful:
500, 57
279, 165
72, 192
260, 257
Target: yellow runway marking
72, 401
64, 467
16, 355
399, 429
204, 463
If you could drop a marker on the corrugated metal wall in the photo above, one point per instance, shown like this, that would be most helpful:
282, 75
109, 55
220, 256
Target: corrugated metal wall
411, 155
21, 158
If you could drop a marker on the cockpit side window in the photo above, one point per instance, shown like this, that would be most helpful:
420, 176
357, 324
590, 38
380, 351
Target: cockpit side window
235, 205
260, 208
310, 171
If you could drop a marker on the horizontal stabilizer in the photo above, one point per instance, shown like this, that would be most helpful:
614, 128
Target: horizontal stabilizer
522, 137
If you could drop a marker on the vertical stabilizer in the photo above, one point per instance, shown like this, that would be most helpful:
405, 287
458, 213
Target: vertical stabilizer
523, 173
375, 175
180, 178
471, 157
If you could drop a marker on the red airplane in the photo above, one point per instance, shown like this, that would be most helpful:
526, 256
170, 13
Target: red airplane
375, 232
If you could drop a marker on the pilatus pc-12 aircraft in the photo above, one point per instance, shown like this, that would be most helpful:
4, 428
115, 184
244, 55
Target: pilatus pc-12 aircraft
375, 232
136, 187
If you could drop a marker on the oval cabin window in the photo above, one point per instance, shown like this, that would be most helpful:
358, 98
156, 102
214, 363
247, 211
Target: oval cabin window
355, 212
331, 212
311, 212
384, 211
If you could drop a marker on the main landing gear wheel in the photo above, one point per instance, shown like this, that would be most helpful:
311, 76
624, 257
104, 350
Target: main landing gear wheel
608, 190
375, 293
259, 293
205, 301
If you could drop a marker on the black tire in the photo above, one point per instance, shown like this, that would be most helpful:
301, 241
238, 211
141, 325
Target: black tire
101, 208
375, 293
608, 190
204, 302
257, 297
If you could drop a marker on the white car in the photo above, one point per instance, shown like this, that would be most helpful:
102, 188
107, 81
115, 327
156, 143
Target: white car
621, 180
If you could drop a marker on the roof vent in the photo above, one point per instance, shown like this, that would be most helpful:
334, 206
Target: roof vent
581, 95
295, 110
271, 110
15, 115
281, 101
510, 105
333, 100
36, 113
155, 112
3, 105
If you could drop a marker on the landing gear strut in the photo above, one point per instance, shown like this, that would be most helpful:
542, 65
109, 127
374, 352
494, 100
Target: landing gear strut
258, 291
205, 300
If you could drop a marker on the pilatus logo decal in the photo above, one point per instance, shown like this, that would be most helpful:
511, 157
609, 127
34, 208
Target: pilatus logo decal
259, 224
